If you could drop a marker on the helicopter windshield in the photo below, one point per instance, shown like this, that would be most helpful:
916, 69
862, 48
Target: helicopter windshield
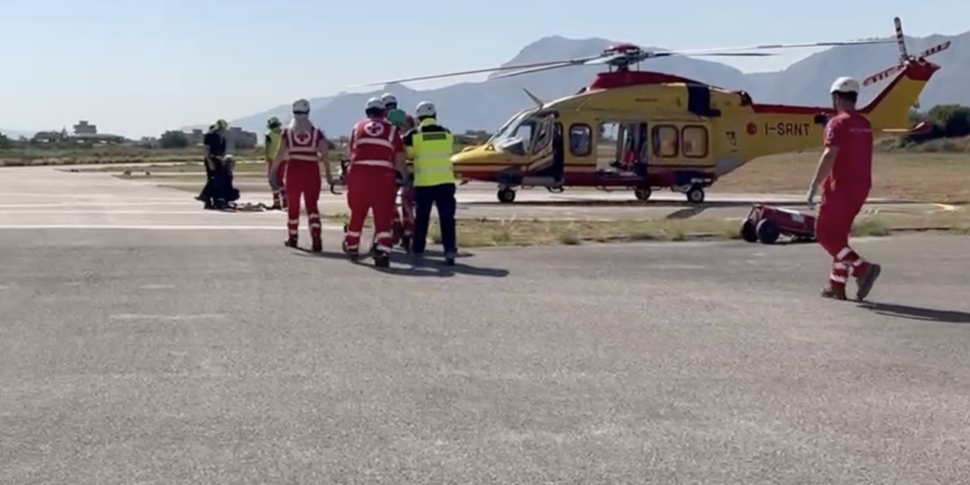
517, 134
518, 128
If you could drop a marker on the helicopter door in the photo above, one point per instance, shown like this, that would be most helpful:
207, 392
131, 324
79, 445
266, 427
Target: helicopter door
542, 151
557, 168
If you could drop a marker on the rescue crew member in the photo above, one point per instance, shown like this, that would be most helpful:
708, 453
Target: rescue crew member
303, 147
430, 147
215, 151
403, 223
272, 145
396, 116
844, 175
376, 161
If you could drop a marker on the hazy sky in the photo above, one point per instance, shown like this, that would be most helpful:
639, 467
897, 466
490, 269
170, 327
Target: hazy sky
142, 66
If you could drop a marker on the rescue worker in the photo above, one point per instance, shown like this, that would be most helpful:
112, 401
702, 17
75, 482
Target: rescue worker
403, 223
376, 161
396, 116
216, 146
430, 147
303, 147
272, 145
844, 175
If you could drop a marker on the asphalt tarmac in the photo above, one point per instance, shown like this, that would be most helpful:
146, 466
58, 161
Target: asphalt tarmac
60, 197
149, 353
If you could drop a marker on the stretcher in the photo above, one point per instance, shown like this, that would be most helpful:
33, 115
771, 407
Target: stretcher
766, 224
341, 179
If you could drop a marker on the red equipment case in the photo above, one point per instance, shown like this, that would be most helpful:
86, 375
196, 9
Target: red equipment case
765, 224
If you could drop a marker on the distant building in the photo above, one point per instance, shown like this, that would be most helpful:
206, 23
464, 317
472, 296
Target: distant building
236, 138
241, 139
49, 136
195, 136
83, 128
103, 138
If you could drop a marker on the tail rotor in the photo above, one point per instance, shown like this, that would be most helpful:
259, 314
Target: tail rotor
904, 58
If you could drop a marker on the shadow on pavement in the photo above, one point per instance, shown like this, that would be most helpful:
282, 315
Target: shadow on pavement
440, 267
405, 265
917, 313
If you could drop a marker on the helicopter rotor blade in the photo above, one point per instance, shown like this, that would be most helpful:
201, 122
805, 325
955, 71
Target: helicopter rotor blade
900, 40
801, 45
514, 67
534, 70
934, 50
884, 74
712, 54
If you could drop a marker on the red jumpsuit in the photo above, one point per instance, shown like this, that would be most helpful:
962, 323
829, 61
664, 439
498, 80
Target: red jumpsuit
844, 192
372, 181
405, 218
303, 178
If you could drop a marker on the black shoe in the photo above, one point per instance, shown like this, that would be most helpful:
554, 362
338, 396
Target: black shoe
866, 281
382, 259
290, 243
317, 246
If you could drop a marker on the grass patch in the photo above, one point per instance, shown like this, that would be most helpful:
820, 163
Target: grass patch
518, 233
935, 177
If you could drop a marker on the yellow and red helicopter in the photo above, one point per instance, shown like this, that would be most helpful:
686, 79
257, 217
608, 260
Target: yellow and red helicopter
648, 130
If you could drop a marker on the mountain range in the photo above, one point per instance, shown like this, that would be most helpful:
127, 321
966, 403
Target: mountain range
487, 104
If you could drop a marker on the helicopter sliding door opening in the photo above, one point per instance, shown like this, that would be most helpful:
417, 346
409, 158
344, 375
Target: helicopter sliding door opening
621, 148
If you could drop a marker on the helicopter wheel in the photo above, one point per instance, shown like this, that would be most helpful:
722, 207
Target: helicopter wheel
643, 193
695, 195
506, 195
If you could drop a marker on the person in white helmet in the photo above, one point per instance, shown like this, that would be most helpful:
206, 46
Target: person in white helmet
430, 146
402, 225
844, 175
376, 162
395, 115
304, 147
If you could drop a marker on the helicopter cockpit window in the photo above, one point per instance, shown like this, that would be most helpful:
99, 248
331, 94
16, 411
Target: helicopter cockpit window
580, 140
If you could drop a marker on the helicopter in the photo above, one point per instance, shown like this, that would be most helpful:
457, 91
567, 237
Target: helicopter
642, 130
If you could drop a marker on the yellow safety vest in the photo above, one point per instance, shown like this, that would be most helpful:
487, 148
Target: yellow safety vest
273, 143
432, 156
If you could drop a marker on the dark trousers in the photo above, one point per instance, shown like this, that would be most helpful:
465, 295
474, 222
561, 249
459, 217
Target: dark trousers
218, 187
441, 197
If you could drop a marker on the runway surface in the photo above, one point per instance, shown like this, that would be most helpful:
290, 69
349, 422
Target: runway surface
53, 196
170, 356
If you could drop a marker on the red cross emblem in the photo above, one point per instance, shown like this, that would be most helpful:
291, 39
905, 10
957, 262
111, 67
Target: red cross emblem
374, 129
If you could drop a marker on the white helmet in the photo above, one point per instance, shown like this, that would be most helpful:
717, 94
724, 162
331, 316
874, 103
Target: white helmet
374, 103
388, 98
301, 107
844, 84
425, 109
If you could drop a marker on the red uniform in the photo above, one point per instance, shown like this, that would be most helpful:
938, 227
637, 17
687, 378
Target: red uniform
372, 180
303, 178
844, 192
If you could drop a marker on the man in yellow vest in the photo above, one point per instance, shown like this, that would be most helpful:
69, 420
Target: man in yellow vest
272, 145
430, 146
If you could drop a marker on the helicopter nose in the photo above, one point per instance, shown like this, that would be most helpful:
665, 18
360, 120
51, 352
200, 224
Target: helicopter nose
470, 156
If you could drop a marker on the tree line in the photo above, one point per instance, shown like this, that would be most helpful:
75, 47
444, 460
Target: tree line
945, 121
